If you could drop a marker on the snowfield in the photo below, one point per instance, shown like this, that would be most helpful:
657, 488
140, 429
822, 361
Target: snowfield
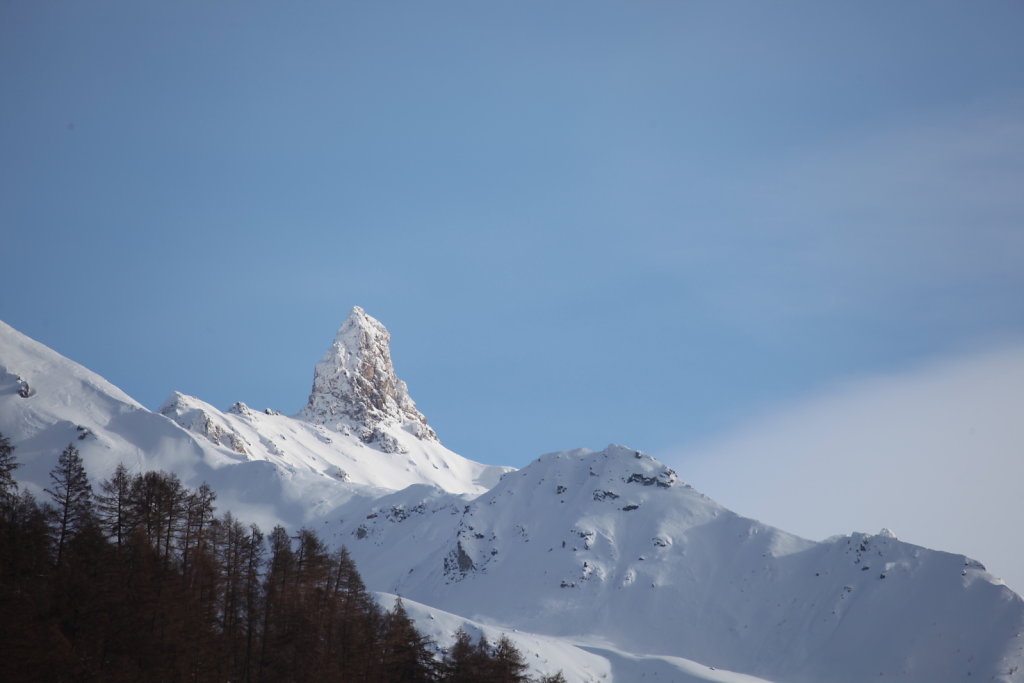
603, 564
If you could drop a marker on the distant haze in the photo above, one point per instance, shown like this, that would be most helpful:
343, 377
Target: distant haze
935, 454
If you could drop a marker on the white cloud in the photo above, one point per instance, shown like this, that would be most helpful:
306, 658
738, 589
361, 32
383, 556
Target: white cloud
935, 454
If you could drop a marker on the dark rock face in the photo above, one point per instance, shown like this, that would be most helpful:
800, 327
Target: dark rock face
665, 479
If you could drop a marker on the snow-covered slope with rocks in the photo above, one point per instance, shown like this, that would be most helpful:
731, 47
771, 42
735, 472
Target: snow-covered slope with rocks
611, 547
266, 466
602, 564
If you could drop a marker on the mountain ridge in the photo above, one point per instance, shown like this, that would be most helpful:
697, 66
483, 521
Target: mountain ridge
605, 551
598, 538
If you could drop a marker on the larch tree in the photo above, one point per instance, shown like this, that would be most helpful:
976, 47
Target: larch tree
8, 487
508, 663
405, 653
460, 662
72, 497
113, 505
356, 621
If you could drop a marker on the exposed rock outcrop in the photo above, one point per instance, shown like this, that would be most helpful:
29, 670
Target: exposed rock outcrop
355, 387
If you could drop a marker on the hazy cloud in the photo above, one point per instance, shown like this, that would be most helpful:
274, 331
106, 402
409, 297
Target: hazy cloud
936, 454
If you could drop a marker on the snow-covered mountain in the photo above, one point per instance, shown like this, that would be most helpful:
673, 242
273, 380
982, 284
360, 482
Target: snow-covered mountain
605, 565
265, 466
611, 547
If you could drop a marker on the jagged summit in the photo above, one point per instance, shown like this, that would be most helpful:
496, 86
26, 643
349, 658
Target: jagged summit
355, 387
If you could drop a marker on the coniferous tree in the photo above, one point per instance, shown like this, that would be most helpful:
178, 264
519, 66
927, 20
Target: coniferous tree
113, 505
238, 552
24, 542
356, 624
276, 652
72, 497
405, 654
198, 515
482, 658
508, 665
82, 591
157, 589
32, 648
313, 600
157, 510
8, 487
252, 596
459, 664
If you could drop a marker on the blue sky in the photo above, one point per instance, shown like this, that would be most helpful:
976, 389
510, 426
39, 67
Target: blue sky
583, 222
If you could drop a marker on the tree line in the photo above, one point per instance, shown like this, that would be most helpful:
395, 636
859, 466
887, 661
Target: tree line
140, 580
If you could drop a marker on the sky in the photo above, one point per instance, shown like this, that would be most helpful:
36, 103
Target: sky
672, 225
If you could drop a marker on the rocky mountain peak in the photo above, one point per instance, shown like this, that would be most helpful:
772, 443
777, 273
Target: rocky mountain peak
355, 386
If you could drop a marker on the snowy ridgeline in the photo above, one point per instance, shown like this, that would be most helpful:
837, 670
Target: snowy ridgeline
601, 564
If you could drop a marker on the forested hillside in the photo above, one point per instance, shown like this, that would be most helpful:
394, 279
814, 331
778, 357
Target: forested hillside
140, 580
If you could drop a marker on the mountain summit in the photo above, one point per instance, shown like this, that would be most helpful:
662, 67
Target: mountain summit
355, 388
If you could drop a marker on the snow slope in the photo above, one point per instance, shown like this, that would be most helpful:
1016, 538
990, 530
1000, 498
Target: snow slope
612, 546
602, 564
578, 661
265, 466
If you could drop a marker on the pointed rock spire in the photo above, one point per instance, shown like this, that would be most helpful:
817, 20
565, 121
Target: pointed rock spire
355, 386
